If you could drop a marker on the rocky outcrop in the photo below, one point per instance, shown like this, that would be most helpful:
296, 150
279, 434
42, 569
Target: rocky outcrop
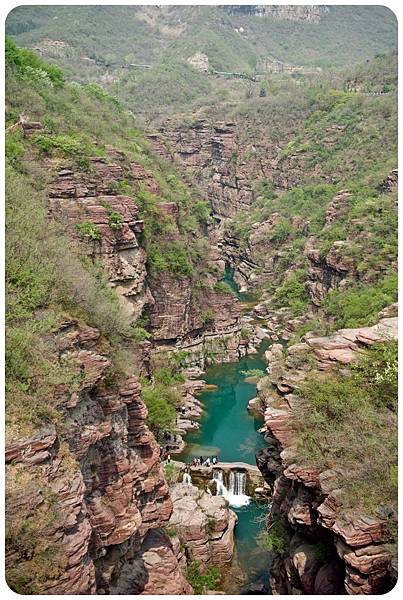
199, 61
390, 184
209, 151
152, 566
204, 525
90, 198
310, 499
180, 312
224, 163
96, 488
338, 207
327, 272
311, 14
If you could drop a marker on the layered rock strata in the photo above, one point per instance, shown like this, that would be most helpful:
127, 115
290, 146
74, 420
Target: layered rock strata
204, 525
80, 197
227, 163
310, 499
96, 489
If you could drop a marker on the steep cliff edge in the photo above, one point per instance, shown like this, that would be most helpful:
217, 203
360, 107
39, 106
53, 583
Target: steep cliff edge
84, 497
318, 486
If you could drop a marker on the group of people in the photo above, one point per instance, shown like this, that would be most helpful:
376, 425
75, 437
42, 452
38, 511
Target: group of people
201, 462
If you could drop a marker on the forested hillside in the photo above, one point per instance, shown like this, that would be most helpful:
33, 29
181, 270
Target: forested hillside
110, 45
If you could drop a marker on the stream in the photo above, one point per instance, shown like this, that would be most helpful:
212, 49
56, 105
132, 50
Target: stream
230, 432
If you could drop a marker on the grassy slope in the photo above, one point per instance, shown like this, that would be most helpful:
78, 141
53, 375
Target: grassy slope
328, 436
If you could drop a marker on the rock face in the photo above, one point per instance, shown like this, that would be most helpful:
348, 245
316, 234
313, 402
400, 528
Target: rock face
209, 152
80, 197
327, 272
225, 164
312, 14
154, 569
102, 475
178, 312
204, 525
310, 500
199, 61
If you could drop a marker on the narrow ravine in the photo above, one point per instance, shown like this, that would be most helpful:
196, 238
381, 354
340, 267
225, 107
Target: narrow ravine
230, 432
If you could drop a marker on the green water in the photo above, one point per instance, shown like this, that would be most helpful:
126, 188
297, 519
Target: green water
226, 428
250, 553
230, 432
246, 297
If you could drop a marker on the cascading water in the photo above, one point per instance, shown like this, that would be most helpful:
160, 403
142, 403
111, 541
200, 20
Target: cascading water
218, 475
235, 495
187, 479
237, 483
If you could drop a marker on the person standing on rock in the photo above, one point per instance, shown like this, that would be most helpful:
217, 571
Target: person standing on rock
168, 459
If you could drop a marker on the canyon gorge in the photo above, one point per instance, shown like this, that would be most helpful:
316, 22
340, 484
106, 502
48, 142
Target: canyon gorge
212, 279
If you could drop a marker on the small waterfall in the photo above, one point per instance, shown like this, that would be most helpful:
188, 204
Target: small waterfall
237, 486
218, 475
187, 479
237, 483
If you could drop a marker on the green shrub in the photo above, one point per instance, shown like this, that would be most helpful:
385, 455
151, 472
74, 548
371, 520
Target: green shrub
115, 219
170, 256
161, 413
13, 148
139, 334
207, 317
72, 145
89, 230
292, 293
276, 538
281, 231
171, 531
167, 376
101, 94
172, 474
360, 304
30, 66
201, 582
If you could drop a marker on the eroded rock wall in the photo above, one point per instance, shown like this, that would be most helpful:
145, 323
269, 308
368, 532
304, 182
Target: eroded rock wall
311, 501
204, 525
81, 197
101, 473
225, 163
